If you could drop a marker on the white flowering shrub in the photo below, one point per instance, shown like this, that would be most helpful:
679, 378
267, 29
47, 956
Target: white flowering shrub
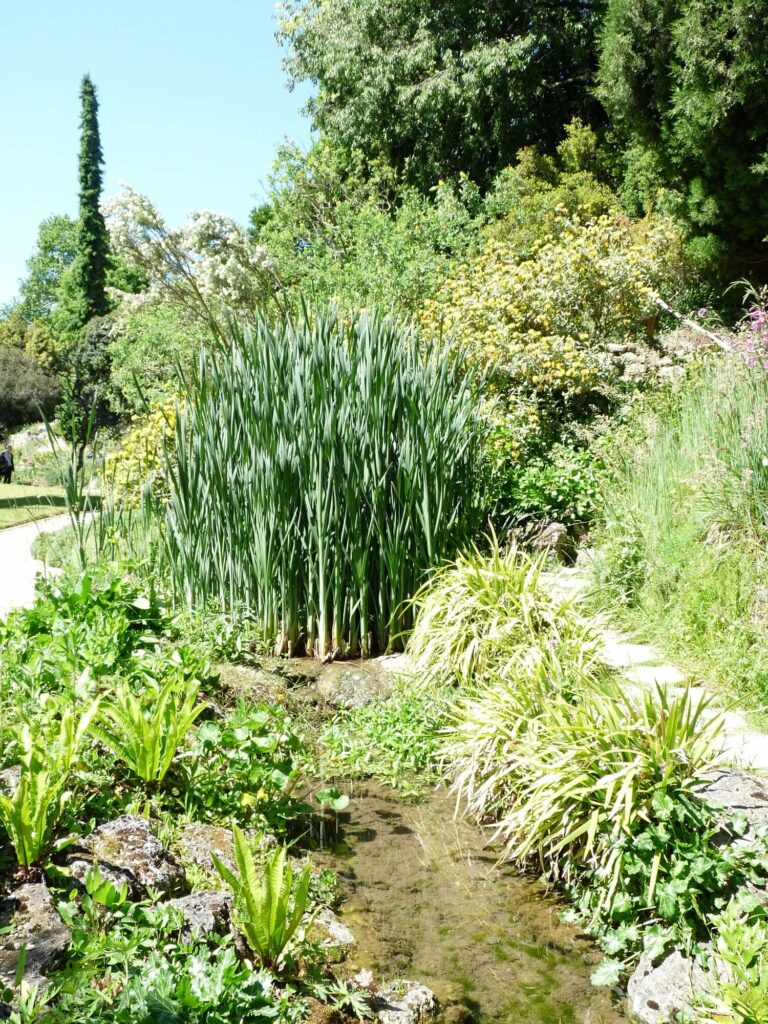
206, 264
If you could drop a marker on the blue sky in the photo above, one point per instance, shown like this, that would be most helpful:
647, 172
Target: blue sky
193, 105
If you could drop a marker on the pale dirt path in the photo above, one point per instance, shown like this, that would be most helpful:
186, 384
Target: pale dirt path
645, 665
18, 569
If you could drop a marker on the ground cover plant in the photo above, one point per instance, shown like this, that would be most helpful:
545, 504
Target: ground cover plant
101, 715
323, 515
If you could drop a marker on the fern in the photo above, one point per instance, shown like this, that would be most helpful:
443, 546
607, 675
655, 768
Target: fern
270, 909
48, 751
145, 735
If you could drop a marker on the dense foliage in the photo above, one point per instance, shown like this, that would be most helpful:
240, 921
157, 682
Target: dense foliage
434, 88
684, 84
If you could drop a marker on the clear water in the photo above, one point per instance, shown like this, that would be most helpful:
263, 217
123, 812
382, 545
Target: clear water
426, 901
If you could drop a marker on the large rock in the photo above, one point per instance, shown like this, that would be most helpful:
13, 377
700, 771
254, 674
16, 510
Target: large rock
197, 840
126, 850
733, 793
657, 994
333, 934
405, 1002
204, 913
35, 925
353, 684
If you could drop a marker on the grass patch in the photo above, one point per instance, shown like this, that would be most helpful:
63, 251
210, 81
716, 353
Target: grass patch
23, 503
681, 555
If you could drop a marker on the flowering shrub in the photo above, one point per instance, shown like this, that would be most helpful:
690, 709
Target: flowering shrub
545, 321
207, 262
140, 460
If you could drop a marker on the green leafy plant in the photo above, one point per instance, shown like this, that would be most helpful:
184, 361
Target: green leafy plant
244, 769
395, 740
591, 771
741, 947
268, 910
145, 733
47, 752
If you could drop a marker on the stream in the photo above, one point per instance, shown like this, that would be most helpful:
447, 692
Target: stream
426, 901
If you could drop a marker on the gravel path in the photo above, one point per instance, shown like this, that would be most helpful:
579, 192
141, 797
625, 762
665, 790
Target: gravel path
645, 665
18, 569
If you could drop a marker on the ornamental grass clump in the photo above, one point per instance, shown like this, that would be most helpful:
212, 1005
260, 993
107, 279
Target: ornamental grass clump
481, 611
322, 467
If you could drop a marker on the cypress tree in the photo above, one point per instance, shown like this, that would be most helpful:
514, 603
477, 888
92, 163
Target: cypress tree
83, 296
85, 290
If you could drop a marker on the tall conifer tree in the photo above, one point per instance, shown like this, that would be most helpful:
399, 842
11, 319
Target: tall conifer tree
85, 293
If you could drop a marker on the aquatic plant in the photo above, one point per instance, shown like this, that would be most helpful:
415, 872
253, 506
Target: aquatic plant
322, 466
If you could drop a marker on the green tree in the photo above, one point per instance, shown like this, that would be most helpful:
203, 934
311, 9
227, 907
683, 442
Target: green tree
684, 83
435, 87
53, 255
83, 291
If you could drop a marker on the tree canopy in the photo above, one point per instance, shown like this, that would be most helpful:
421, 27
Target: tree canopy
437, 87
684, 83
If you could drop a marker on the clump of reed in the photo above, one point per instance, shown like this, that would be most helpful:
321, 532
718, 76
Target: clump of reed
323, 465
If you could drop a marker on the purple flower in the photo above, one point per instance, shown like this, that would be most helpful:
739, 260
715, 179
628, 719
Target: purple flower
702, 312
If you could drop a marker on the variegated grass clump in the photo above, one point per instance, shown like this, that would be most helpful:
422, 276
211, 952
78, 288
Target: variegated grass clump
481, 610
545, 744
322, 466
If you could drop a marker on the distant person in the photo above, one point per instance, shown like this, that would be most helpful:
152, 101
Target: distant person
6, 465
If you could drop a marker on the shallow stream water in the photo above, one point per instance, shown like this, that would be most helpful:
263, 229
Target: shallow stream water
426, 901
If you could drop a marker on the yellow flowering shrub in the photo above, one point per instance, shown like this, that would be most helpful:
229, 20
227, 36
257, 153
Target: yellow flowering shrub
545, 321
140, 460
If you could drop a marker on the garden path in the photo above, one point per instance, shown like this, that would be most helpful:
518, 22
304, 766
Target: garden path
645, 665
18, 569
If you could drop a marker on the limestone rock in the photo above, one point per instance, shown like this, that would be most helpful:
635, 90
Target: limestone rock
738, 792
126, 850
205, 913
555, 538
10, 778
657, 994
196, 841
405, 1002
334, 934
353, 684
37, 926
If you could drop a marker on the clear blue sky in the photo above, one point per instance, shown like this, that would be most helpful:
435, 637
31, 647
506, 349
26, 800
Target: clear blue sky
193, 105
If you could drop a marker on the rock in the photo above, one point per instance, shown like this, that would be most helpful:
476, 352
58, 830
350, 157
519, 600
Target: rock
37, 926
10, 777
405, 1002
656, 995
126, 850
205, 913
336, 937
256, 685
555, 538
196, 841
736, 792
353, 684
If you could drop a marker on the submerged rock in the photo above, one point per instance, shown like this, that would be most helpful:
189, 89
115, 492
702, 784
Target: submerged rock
656, 995
126, 850
35, 925
205, 913
405, 1002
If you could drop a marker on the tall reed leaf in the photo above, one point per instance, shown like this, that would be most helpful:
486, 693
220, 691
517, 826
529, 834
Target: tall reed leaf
322, 467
